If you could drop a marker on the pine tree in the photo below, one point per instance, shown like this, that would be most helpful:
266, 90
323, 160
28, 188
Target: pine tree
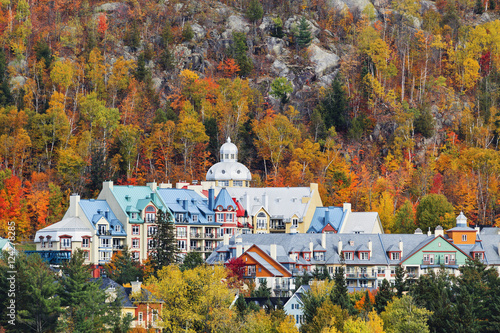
165, 245
384, 296
304, 37
191, 260
334, 107
254, 11
399, 281
239, 51
340, 294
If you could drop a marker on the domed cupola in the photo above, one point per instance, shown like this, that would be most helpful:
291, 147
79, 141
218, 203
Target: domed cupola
229, 152
229, 172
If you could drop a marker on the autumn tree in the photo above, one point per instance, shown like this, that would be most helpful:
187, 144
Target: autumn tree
123, 268
403, 315
434, 210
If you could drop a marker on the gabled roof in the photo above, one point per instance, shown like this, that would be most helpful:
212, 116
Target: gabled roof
324, 216
109, 285
95, 210
132, 199
425, 243
360, 222
184, 201
72, 226
224, 200
279, 202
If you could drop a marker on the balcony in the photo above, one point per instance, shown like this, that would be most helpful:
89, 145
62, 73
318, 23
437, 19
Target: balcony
209, 235
208, 249
117, 247
412, 275
361, 276
195, 248
249, 275
104, 233
150, 220
196, 235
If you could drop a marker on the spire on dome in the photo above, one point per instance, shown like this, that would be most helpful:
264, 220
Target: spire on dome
228, 139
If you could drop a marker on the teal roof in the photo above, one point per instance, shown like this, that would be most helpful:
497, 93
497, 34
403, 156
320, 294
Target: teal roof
3, 242
133, 199
224, 200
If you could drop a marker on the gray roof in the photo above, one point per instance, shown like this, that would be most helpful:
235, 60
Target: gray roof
363, 222
279, 202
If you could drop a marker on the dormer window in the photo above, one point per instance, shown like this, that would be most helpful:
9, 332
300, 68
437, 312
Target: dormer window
133, 216
478, 255
49, 241
395, 255
364, 255
319, 256
42, 243
306, 255
117, 228
102, 229
464, 238
210, 218
348, 255
195, 218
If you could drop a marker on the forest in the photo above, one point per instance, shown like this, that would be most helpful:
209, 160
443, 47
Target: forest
137, 91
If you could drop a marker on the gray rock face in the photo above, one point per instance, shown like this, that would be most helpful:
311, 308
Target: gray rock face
294, 21
351, 4
109, 7
276, 46
199, 32
237, 23
18, 65
156, 83
17, 82
279, 68
267, 24
324, 61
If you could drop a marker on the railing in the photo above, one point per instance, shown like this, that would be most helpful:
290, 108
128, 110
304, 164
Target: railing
150, 220
209, 235
361, 276
117, 247
196, 235
428, 262
412, 274
249, 275
195, 248
104, 232
209, 248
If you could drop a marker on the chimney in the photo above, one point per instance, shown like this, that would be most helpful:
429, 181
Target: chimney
370, 246
239, 250
106, 214
226, 239
347, 207
107, 185
323, 240
429, 233
185, 204
401, 247
438, 231
74, 201
265, 201
340, 247
327, 216
273, 251
153, 186
211, 199
311, 247
136, 287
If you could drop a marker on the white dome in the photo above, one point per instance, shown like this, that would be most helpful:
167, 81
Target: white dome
228, 171
228, 152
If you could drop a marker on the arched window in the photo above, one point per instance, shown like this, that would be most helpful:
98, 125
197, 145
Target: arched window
261, 221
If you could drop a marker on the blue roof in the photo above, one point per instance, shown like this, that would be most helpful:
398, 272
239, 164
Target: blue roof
94, 210
187, 202
224, 200
335, 219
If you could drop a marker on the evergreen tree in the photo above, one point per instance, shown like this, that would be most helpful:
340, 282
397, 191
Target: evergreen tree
424, 124
254, 11
384, 295
277, 28
304, 34
241, 306
192, 260
167, 37
262, 291
123, 268
239, 53
5, 96
399, 281
165, 245
187, 32
334, 107
340, 294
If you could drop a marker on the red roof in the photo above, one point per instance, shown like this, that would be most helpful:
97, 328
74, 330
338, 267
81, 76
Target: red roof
240, 211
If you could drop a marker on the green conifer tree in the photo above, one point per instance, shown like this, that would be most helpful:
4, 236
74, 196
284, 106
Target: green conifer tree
304, 35
165, 245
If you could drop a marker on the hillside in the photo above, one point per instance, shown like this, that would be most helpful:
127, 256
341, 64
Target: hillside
380, 103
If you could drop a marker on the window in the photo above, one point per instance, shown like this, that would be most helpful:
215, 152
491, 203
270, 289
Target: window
65, 243
179, 217
393, 270
181, 232
330, 270
116, 244
464, 238
261, 221
49, 240
104, 256
152, 230
224, 183
381, 271
195, 217
428, 259
151, 243
133, 216
222, 256
102, 229
140, 318
229, 217
42, 243
135, 230
238, 183
104, 242
295, 223
478, 255
182, 245
117, 228
86, 255
348, 255
320, 256
135, 243
210, 218
135, 255
307, 255
220, 217
150, 214
395, 255
251, 270
364, 255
